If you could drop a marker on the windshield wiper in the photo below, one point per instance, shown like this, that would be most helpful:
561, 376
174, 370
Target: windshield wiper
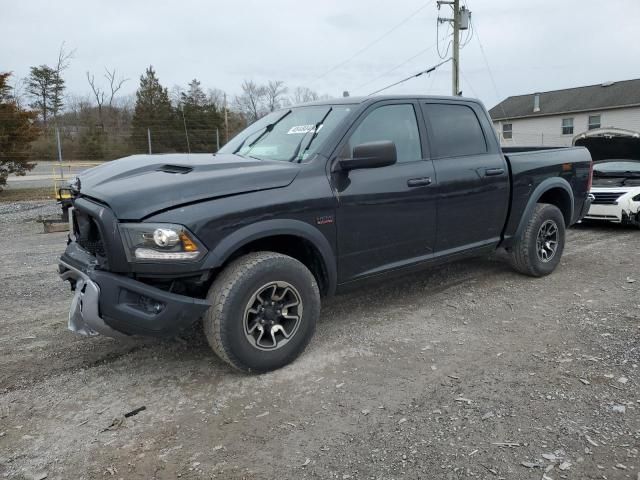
266, 130
315, 134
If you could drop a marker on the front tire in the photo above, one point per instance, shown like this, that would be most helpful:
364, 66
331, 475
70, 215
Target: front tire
264, 309
539, 249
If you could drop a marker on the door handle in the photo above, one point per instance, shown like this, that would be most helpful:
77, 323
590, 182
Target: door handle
419, 182
491, 172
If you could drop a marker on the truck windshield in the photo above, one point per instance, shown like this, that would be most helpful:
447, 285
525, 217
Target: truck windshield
285, 135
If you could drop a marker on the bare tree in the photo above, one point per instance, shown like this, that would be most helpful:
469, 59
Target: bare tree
175, 95
18, 91
114, 85
64, 59
216, 98
99, 95
303, 95
274, 92
79, 110
251, 103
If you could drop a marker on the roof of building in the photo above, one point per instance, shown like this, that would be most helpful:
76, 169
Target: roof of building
579, 99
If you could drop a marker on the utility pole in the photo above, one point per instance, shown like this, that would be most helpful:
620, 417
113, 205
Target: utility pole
186, 133
59, 153
455, 75
460, 21
226, 120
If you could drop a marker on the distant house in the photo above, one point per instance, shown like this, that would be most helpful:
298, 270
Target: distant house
555, 118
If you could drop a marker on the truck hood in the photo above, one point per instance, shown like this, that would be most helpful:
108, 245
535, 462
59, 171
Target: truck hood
138, 186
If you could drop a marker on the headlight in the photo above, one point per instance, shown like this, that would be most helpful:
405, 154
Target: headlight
159, 242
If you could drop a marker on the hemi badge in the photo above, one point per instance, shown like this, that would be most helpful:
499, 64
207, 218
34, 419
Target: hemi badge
327, 219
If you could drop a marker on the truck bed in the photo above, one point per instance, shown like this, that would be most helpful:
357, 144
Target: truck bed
534, 169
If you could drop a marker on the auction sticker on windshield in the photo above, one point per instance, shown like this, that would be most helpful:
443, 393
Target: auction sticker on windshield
302, 129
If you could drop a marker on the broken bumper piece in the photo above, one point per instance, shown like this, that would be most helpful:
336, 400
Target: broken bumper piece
84, 316
117, 306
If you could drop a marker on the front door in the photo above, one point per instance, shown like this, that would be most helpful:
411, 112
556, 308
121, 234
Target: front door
386, 216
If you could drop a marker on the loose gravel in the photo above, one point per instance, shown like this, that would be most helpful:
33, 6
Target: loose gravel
465, 371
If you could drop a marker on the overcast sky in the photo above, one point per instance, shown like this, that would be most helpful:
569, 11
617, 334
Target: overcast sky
533, 45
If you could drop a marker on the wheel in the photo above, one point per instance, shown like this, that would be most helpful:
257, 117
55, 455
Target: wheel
539, 249
264, 308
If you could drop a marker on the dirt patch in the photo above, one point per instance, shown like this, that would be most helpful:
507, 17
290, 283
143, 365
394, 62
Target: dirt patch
466, 371
10, 194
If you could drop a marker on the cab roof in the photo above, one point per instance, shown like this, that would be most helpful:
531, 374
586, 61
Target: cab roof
376, 98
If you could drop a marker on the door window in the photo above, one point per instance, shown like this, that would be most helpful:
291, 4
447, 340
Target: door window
456, 130
396, 123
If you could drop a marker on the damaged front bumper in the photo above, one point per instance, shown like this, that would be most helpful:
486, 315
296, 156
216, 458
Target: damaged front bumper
623, 210
116, 305
84, 315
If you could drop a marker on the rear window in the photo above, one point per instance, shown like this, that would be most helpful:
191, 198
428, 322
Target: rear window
456, 130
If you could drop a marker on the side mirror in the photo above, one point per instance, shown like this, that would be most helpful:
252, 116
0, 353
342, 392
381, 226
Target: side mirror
370, 155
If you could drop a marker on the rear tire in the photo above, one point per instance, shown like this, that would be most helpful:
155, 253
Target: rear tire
539, 249
264, 309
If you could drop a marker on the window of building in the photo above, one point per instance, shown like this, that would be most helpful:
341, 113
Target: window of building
507, 131
594, 122
396, 123
452, 123
567, 126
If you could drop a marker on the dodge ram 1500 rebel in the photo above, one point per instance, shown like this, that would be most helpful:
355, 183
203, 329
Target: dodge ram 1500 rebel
304, 203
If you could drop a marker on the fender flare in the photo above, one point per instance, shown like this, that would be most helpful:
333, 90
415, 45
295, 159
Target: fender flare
545, 186
269, 228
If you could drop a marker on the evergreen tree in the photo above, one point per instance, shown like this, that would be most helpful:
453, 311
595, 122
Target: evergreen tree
153, 111
17, 131
201, 118
45, 86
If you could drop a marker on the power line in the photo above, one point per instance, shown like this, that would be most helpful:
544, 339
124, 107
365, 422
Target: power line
396, 67
430, 47
433, 81
484, 56
442, 55
428, 70
371, 44
475, 94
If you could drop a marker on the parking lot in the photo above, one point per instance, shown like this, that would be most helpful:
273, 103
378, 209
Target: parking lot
465, 371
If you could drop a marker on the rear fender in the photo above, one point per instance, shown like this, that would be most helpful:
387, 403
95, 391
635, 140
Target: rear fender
538, 192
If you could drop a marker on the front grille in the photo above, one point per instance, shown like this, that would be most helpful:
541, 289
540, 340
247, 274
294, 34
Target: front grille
87, 233
606, 198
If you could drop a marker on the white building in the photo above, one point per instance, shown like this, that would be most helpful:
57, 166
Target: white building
555, 118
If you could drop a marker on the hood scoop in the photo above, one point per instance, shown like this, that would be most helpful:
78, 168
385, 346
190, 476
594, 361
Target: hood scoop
175, 169
138, 186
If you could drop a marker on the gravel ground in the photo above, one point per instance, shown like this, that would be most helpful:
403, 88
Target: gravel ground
466, 371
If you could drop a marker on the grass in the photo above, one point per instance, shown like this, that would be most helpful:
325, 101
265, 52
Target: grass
21, 194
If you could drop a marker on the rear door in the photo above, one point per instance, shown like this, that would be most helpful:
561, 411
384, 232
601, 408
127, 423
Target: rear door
473, 179
386, 216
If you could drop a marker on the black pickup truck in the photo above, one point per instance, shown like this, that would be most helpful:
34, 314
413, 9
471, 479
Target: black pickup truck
305, 203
